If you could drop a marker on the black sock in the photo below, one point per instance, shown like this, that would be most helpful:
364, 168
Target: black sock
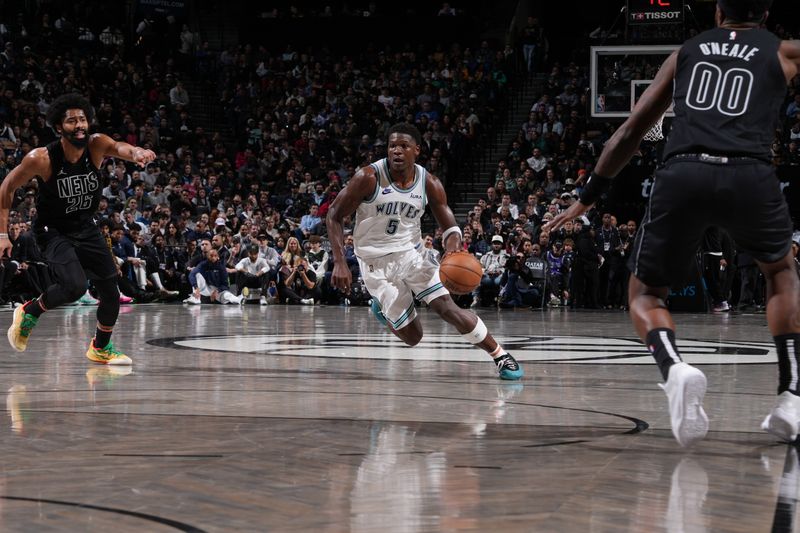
102, 338
788, 362
661, 344
34, 308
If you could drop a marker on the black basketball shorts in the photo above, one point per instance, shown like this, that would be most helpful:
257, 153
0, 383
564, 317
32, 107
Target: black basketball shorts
741, 196
86, 246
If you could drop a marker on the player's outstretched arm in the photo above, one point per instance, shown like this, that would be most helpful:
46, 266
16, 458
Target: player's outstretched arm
35, 163
437, 199
108, 147
789, 53
361, 185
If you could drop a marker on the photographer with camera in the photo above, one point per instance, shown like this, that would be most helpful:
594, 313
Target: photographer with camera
524, 279
300, 284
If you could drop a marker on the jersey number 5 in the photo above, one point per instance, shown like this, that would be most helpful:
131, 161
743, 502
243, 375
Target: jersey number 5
391, 227
728, 91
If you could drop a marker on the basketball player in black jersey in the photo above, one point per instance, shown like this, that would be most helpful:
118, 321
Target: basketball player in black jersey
65, 229
729, 83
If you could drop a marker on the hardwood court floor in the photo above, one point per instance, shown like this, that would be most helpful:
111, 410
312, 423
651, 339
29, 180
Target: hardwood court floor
315, 419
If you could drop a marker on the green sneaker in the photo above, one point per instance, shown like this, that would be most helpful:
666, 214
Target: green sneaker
108, 355
21, 328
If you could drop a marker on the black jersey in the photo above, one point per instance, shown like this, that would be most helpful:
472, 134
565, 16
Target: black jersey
71, 196
729, 86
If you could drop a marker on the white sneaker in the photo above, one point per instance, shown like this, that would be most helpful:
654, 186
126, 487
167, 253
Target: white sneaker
307, 301
262, 301
722, 308
192, 300
783, 420
685, 389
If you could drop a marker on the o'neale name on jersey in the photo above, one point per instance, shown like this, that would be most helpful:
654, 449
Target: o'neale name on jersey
742, 51
77, 185
397, 208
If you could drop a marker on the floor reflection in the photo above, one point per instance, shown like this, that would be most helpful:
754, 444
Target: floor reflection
687, 495
395, 483
787, 494
14, 400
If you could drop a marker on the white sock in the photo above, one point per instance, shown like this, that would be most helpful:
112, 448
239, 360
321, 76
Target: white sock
498, 352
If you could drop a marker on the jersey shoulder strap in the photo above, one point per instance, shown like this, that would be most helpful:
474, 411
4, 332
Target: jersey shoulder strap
382, 173
56, 154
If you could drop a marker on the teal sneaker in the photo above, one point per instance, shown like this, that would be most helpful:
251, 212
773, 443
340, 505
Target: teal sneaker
376, 310
508, 368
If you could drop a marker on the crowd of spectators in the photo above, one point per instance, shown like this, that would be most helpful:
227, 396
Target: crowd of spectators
210, 221
248, 215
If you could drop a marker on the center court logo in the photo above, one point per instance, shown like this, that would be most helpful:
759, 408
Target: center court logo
544, 349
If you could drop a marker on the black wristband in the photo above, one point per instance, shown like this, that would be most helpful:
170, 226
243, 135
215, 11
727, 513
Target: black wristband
594, 189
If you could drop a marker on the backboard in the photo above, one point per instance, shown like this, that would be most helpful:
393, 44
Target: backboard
619, 75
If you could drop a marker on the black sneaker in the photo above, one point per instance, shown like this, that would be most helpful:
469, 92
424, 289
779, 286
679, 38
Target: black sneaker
508, 368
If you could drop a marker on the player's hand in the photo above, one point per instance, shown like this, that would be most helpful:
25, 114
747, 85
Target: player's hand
454, 244
574, 211
141, 156
5, 247
341, 278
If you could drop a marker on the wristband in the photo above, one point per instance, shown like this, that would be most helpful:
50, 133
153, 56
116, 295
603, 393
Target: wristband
3, 235
594, 189
448, 231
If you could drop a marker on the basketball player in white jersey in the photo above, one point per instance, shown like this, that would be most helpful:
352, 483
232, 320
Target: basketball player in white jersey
389, 199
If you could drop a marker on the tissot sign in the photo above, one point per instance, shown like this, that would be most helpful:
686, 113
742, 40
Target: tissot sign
655, 11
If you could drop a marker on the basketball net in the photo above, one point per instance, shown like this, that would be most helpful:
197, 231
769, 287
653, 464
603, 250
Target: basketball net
655, 133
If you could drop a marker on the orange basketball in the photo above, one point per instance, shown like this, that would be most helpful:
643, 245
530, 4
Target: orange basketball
460, 272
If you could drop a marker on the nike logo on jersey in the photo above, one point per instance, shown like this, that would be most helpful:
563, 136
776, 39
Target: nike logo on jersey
387, 190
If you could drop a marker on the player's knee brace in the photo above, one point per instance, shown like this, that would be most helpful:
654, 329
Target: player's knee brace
478, 333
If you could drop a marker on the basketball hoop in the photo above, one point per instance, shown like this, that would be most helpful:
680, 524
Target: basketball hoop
655, 133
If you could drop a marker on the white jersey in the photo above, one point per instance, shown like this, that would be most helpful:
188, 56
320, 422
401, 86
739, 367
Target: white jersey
389, 221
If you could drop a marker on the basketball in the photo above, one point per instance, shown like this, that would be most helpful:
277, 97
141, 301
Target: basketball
460, 272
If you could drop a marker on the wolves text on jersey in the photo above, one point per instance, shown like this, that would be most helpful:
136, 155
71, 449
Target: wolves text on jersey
402, 209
